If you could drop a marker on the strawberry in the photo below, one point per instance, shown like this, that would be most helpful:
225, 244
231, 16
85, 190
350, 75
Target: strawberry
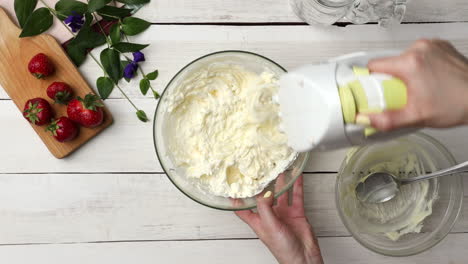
40, 66
63, 129
86, 112
60, 92
37, 111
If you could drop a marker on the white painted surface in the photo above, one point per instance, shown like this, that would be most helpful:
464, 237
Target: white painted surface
67, 208
172, 47
106, 194
127, 145
277, 11
336, 250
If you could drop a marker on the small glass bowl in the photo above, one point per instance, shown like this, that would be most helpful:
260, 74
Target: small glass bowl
252, 62
445, 209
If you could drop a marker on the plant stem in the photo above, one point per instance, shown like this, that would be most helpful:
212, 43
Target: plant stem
108, 41
50, 9
91, 55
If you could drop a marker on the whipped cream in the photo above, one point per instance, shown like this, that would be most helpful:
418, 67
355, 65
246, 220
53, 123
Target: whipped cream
224, 130
403, 214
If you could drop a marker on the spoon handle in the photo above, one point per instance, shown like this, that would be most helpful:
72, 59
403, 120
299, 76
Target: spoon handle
462, 167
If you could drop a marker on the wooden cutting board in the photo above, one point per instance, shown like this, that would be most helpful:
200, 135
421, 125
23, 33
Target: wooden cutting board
21, 86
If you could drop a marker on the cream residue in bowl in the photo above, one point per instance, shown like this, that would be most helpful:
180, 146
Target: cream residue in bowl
223, 129
403, 214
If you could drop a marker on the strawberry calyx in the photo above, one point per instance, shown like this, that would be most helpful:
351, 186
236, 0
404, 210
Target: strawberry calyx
38, 75
32, 111
91, 102
53, 127
62, 97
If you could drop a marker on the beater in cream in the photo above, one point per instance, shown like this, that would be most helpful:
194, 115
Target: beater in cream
223, 129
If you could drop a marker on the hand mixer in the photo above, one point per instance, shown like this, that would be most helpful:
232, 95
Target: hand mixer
319, 102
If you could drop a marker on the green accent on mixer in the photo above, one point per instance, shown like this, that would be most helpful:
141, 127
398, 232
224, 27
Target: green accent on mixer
359, 95
348, 106
394, 91
359, 71
354, 99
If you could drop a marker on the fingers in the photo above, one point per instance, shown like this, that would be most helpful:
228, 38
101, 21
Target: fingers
265, 210
283, 200
395, 66
249, 217
394, 119
298, 193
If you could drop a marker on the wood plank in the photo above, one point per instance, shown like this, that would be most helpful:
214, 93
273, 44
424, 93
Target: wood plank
15, 54
66, 208
110, 153
174, 46
127, 146
278, 11
335, 250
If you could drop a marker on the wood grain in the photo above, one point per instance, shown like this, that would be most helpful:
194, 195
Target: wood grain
127, 146
65, 208
173, 46
278, 11
21, 86
335, 250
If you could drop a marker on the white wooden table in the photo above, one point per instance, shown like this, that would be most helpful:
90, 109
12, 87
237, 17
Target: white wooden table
110, 202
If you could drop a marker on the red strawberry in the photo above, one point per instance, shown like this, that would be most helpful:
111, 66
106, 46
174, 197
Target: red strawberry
63, 129
37, 111
40, 66
87, 112
60, 92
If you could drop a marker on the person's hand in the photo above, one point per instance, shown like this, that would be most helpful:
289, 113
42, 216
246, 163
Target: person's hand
436, 76
284, 228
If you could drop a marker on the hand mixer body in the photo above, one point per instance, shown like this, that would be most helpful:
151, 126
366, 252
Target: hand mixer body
319, 102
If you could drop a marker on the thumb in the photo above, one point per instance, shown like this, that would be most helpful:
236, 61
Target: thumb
265, 209
393, 119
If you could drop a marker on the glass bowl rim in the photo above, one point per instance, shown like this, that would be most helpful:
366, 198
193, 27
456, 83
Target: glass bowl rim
277, 194
440, 147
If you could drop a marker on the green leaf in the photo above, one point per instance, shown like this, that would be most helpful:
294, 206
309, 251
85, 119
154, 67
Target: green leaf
64, 8
142, 116
105, 86
38, 22
76, 53
23, 9
129, 47
85, 39
156, 95
110, 59
113, 13
114, 33
144, 86
134, 2
133, 26
94, 5
152, 75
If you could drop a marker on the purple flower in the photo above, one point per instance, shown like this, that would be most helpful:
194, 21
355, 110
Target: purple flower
130, 70
138, 56
75, 21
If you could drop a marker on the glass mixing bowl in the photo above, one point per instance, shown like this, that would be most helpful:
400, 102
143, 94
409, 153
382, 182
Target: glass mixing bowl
252, 62
361, 223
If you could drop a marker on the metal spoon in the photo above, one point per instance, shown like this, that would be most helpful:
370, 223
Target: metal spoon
381, 187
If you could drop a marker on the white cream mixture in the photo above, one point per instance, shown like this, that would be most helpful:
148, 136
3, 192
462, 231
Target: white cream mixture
403, 214
224, 130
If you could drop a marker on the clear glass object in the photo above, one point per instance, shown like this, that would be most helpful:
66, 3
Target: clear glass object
327, 12
176, 175
445, 209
